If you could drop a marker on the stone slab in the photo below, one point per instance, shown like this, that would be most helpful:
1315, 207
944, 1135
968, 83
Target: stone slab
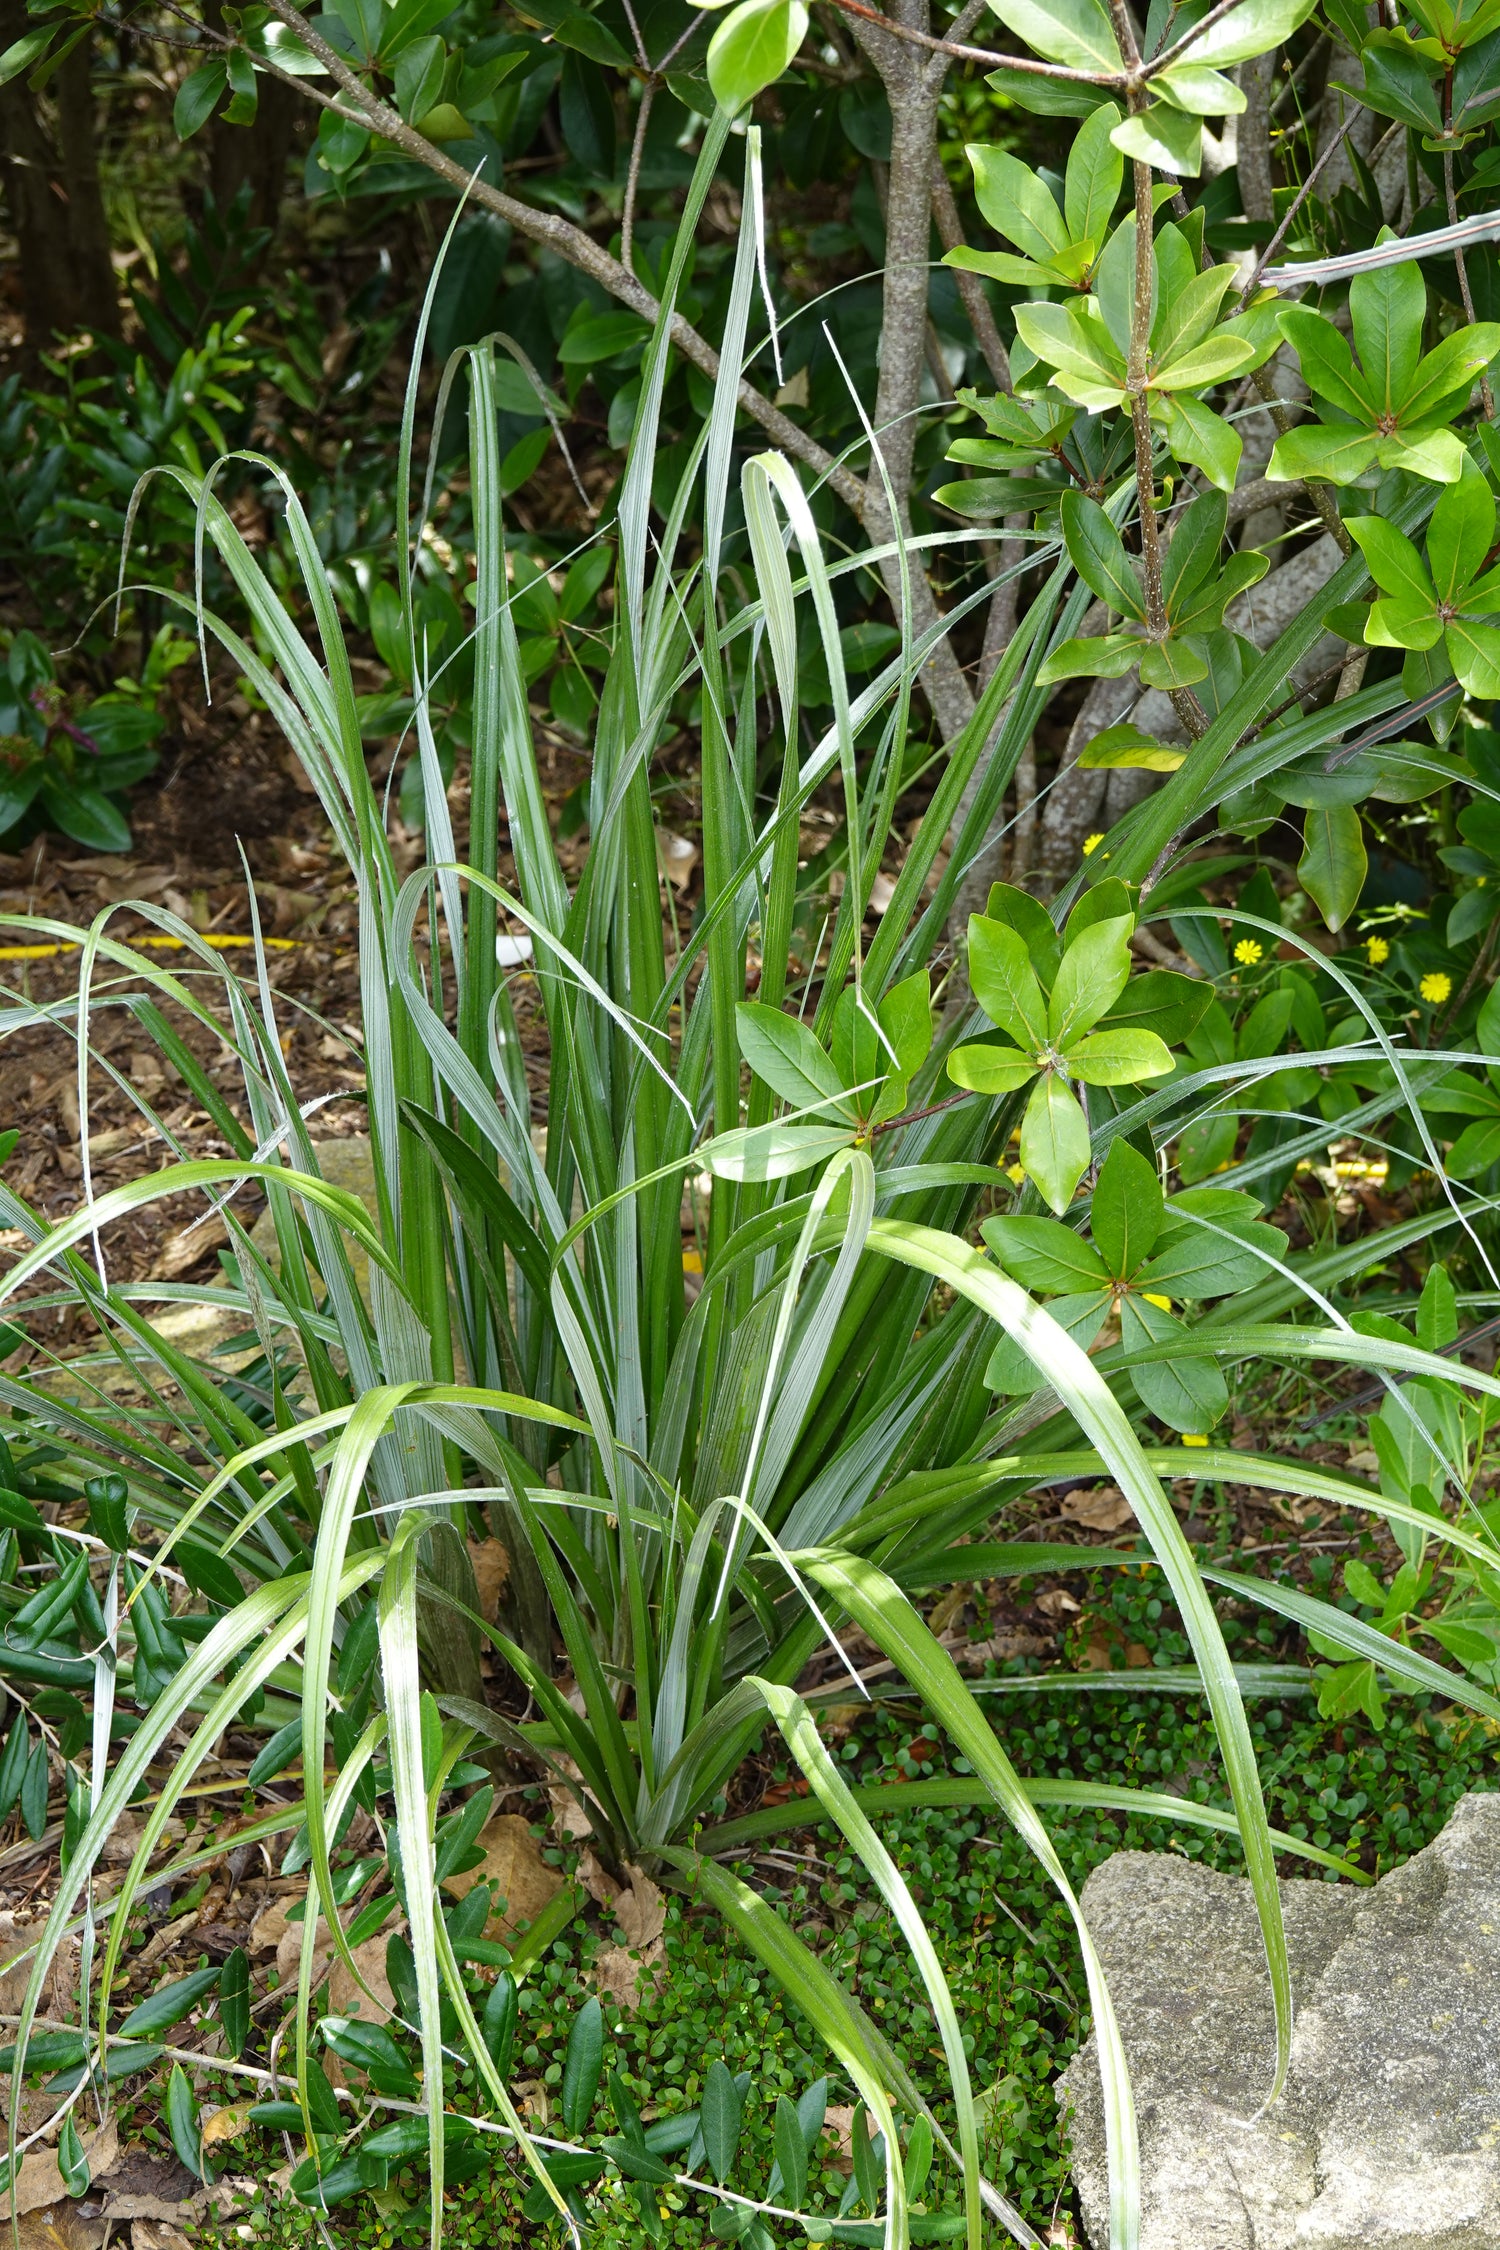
1387, 2136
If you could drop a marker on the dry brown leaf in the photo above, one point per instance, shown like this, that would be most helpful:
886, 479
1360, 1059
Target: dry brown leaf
839, 2121
346, 1998
491, 1562
513, 1863
1002, 1646
269, 1928
157, 2234
597, 1880
188, 1249
641, 1912
1057, 1602
41, 2181
289, 1954
226, 2124
622, 1974
569, 1820
156, 2208
678, 856
948, 1607
63, 2227
1104, 1509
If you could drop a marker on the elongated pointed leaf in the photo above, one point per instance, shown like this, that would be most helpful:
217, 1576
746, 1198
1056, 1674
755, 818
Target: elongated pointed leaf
1087, 1396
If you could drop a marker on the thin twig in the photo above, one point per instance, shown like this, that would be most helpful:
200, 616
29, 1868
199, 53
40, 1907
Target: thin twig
632, 181
1174, 53
555, 233
1485, 392
1295, 206
1115, 79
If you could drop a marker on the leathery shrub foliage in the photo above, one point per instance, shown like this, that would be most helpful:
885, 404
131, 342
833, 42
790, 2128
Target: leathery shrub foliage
696, 1495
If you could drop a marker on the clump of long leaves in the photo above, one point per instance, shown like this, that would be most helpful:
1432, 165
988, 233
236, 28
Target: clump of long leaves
695, 1492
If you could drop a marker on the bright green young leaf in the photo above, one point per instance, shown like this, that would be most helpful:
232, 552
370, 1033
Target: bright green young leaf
905, 1015
990, 1070
1107, 658
1249, 31
1474, 651
1185, 317
1449, 371
1005, 983
1059, 337
1093, 973
1199, 436
1208, 362
1095, 174
1400, 623
1017, 204
1330, 456
1113, 303
1327, 363
1126, 746
1387, 310
1172, 663
1054, 1141
786, 1055
1460, 534
1045, 1256
1076, 33
1119, 1058
752, 47
1201, 93
1032, 924
1166, 137
1395, 565
1127, 1209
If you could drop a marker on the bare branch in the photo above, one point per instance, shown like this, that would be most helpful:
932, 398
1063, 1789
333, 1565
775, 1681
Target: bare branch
987, 55
559, 234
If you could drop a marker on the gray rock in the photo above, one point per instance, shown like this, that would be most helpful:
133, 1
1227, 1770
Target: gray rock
1388, 2134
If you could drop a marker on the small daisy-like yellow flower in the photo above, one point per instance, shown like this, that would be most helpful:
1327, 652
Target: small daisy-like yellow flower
1092, 843
1377, 949
1189, 1439
1435, 987
1247, 952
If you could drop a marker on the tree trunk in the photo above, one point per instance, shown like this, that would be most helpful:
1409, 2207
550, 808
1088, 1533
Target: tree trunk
51, 170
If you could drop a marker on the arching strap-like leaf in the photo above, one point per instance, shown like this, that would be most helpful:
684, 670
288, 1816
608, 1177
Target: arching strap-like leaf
1083, 1390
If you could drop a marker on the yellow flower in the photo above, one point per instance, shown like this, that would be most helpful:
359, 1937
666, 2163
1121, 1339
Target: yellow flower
1247, 952
1435, 987
1092, 843
1189, 1439
1377, 950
